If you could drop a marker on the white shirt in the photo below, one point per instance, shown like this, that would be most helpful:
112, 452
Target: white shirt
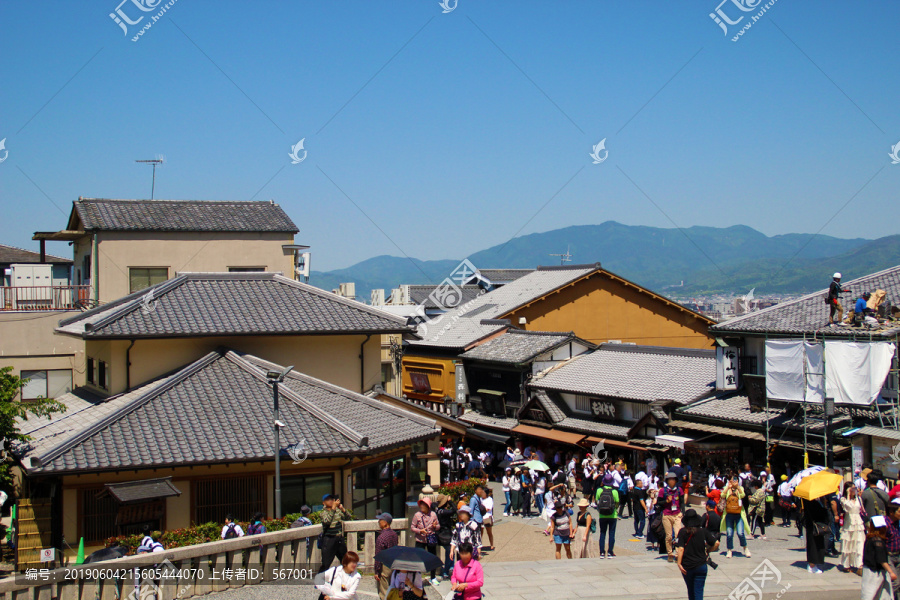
489, 505
341, 584
398, 581
515, 484
641, 476
237, 530
541, 485
570, 470
617, 477
784, 489
712, 481
654, 484
506, 479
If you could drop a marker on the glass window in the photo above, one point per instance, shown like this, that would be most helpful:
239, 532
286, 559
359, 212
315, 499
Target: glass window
90, 371
304, 489
143, 277
380, 487
246, 269
46, 384
102, 373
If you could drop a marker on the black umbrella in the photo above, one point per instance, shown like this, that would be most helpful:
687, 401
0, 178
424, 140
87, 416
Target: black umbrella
405, 558
106, 554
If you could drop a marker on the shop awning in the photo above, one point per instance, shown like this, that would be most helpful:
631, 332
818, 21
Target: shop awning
891, 434
673, 441
141, 491
490, 436
614, 443
566, 437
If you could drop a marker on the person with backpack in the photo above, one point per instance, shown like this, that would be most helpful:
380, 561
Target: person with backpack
477, 506
587, 525
256, 525
561, 529
735, 517
527, 490
231, 529
607, 502
875, 500
694, 545
332, 542
654, 522
625, 487
151, 543
670, 500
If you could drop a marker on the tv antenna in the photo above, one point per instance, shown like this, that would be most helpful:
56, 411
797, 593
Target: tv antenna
154, 162
564, 258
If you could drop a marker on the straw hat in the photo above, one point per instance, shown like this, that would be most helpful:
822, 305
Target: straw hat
583, 503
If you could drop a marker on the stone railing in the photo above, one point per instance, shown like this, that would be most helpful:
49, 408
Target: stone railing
289, 555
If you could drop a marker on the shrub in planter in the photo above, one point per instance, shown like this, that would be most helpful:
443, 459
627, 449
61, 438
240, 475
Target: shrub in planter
455, 488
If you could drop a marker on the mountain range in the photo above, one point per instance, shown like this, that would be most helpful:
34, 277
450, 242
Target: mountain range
675, 262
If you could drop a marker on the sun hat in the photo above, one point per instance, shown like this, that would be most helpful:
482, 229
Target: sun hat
691, 519
558, 505
426, 501
608, 479
465, 509
879, 521
518, 470
671, 475
583, 502
509, 468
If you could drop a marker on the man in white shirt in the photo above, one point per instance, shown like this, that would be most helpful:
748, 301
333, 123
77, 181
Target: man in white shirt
231, 529
785, 494
643, 478
571, 469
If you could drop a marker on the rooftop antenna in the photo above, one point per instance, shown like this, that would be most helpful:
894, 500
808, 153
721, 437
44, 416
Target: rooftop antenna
564, 258
155, 161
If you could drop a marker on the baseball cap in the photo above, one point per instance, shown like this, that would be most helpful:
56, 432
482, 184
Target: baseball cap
328, 497
465, 508
784, 477
677, 461
386, 517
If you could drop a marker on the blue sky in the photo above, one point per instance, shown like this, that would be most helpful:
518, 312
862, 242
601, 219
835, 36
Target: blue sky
452, 131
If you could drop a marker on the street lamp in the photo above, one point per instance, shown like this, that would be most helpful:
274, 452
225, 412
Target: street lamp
276, 377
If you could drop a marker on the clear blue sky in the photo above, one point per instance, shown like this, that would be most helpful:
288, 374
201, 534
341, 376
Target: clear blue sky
452, 130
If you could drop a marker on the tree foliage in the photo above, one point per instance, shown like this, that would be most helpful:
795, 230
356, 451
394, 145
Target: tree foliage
12, 411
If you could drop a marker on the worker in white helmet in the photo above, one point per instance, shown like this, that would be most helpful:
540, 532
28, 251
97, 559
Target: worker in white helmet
833, 299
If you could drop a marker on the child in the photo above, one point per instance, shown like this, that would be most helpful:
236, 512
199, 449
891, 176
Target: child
466, 530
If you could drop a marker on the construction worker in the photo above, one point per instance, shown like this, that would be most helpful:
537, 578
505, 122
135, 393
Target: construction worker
833, 299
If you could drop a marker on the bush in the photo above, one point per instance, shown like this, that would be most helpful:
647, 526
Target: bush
206, 532
455, 488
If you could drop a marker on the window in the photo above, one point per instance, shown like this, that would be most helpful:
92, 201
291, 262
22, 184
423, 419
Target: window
90, 371
380, 487
86, 267
583, 403
46, 384
102, 374
241, 496
304, 489
247, 270
141, 278
98, 515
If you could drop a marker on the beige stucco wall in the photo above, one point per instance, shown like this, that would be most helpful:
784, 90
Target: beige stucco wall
334, 359
178, 252
27, 342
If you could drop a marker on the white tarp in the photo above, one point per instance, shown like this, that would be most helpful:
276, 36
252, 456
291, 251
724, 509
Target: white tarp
855, 371
794, 370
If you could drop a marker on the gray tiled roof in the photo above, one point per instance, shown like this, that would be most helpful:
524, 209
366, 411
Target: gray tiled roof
554, 411
139, 491
97, 214
218, 409
477, 418
809, 314
594, 428
420, 295
736, 410
198, 304
462, 326
12, 255
517, 346
502, 276
639, 373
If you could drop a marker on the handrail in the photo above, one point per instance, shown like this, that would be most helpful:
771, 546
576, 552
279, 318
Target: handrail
46, 297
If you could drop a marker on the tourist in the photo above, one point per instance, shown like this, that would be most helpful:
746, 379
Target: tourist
561, 529
465, 530
446, 513
694, 545
757, 511
409, 584
713, 477
540, 488
585, 526
231, 529
853, 530
767, 481
893, 542
874, 499
507, 476
652, 512
468, 576
607, 501
341, 580
303, 520
878, 574
477, 505
425, 526
571, 470
387, 538
256, 525
817, 519
587, 481
527, 490
715, 494
639, 507
488, 520
625, 487
785, 501
515, 492
670, 501
332, 518
712, 520
735, 517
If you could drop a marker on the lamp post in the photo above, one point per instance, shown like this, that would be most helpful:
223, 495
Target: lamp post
276, 377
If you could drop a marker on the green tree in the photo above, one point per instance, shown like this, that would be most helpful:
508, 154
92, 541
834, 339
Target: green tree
11, 411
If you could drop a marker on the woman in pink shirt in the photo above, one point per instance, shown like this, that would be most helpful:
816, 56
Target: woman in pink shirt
468, 576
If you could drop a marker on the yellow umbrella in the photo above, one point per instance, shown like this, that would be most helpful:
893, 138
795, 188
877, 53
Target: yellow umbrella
818, 485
